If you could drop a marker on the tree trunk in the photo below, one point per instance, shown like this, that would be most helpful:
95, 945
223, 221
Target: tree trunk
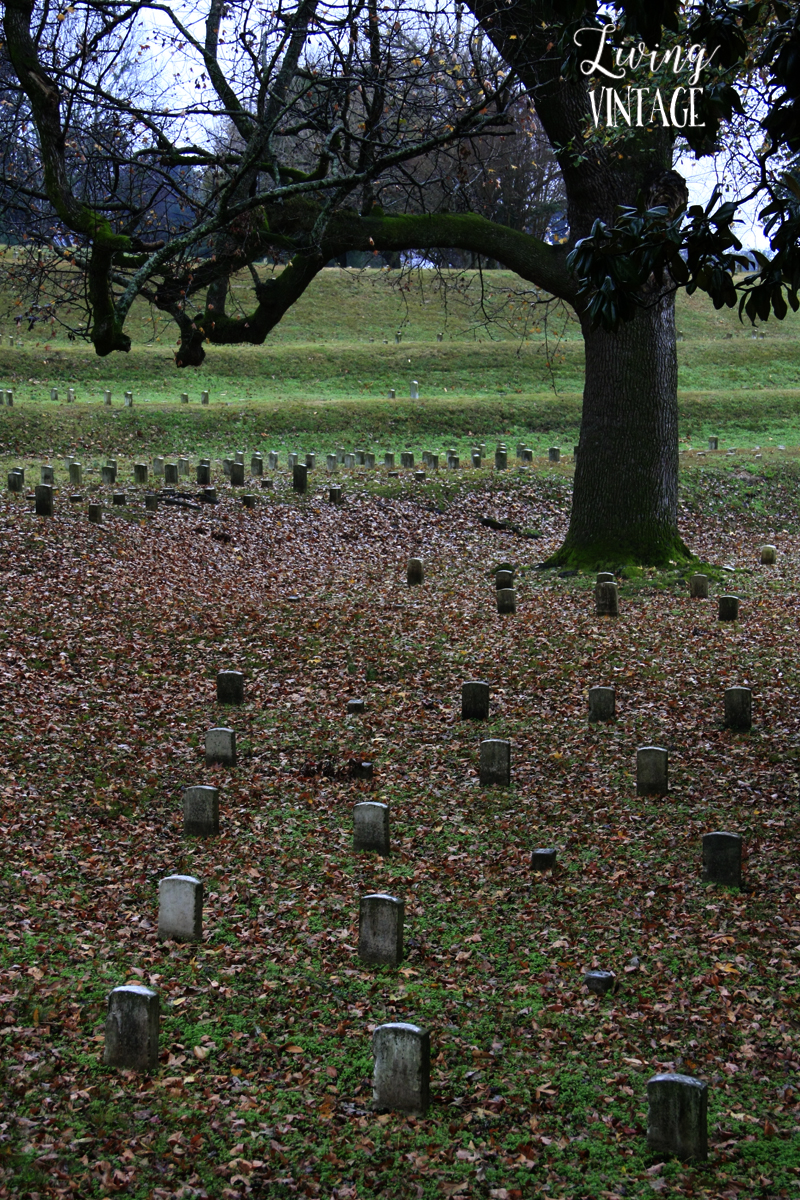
625, 497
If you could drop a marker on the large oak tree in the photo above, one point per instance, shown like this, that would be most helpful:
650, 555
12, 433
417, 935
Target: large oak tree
298, 129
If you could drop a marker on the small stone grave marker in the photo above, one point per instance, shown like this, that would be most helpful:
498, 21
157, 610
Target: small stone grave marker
698, 587
230, 687
237, 474
495, 763
151, 503
739, 708
47, 475
602, 704
401, 1074
728, 608
335, 493
599, 982
75, 474
554, 454
652, 765
501, 460
380, 929
506, 600
220, 746
133, 1020
543, 859
769, 555
43, 493
203, 474
722, 859
415, 572
140, 472
356, 706
171, 474
677, 1118
201, 810
414, 390
606, 600
300, 477
96, 514
180, 909
371, 827
474, 700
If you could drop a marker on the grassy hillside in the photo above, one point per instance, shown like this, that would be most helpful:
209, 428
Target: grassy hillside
500, 369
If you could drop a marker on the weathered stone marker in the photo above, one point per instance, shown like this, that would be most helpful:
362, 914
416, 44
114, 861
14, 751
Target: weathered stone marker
698, 587
599, 982
495, 763
256, 465
96, 514
140, 472
503, 579
335, 493
203, 474
108, 475
184, 397
43, 493
204, 397
158, 466
652, 765
739, 708
128, 400
356, 706
406, 459
474, 700
118, 498
201, 810
180, 909
414, 390
107, 398
75, 474
606, 600
500, 460
16, 480
388, 460
506, 600
133, 1022
554, 454
220, 747
248, 500
47, 475
380, 929
769, 555
151, 503
722, 859
543, 859
171, 474
371, 827
415, 572
677, 1118
300, 477
237, 474
402, 1070
713, 443
272, 459
728, 608
602, 704
230, 687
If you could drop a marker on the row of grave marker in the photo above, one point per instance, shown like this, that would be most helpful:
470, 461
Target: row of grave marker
677, 1121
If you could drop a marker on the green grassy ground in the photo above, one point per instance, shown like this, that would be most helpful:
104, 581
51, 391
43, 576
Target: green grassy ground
488, 380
